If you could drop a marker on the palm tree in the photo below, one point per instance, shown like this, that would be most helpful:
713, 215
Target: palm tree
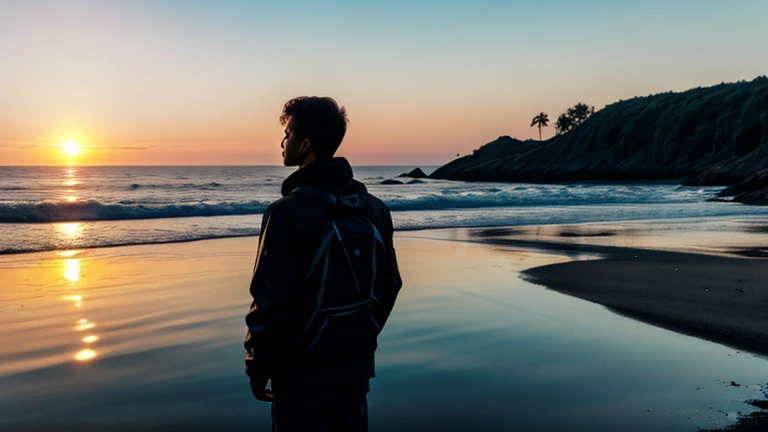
540, 120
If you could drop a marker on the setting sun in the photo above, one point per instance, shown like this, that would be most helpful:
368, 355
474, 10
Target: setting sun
71, 148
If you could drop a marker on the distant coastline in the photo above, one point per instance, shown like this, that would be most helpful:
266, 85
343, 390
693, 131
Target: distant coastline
705, 136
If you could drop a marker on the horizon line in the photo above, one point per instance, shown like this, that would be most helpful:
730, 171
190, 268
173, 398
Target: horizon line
198, 165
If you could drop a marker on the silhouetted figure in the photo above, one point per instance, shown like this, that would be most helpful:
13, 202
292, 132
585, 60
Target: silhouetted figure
324, 284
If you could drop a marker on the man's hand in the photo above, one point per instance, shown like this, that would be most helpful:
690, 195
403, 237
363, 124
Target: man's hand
259, 390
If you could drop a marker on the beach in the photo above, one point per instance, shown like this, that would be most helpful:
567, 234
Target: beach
473, 342
717, 298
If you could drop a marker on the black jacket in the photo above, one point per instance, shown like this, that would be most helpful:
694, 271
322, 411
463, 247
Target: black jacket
290, 234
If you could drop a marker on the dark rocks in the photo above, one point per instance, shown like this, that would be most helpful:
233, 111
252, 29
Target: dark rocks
416, 173
753, 190
391, 182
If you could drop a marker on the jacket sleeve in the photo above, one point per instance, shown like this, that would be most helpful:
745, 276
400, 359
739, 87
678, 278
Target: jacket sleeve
393, 273
273, 283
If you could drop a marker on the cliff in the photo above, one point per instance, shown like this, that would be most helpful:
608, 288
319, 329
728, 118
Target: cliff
713, 135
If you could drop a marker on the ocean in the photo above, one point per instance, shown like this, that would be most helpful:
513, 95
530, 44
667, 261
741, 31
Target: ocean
53, 208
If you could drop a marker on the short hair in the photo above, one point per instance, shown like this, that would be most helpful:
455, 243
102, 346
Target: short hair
318, 119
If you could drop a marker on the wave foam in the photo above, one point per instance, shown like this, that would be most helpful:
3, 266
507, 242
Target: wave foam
523, 196
94, 211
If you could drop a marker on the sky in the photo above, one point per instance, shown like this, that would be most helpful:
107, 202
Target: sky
191, 82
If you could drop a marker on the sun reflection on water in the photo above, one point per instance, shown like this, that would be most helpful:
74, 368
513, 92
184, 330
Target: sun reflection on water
70, 229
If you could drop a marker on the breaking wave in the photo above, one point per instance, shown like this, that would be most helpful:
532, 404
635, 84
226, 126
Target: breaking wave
94, 211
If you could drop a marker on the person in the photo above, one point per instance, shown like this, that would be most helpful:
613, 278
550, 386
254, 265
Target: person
324, 283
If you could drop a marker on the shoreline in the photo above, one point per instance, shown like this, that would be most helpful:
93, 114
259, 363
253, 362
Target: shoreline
570, 233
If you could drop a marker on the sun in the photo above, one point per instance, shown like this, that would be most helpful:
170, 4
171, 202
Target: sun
71, 148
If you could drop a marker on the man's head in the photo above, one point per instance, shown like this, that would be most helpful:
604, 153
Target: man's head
314, 128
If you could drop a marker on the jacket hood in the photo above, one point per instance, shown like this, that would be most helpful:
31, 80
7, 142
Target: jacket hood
333, 175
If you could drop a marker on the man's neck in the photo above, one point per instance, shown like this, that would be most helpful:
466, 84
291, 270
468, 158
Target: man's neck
307, 160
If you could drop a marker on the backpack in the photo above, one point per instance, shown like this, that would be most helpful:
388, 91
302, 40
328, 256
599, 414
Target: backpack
340, 287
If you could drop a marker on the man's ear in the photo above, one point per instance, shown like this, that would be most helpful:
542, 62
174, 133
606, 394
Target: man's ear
305, 146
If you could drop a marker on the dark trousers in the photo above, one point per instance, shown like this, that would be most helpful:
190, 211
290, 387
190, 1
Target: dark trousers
328, 409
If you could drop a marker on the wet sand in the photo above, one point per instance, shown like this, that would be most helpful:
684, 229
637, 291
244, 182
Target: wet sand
470, 345
718, 298
721, 299
699, 277
690, 277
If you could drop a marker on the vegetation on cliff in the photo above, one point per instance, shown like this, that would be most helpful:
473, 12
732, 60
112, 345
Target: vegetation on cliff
712, 135
573, 117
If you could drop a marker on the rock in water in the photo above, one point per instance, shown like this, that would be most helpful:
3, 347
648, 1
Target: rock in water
753, 190
391, 182
416, 173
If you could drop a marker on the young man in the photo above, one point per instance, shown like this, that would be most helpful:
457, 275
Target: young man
324, 283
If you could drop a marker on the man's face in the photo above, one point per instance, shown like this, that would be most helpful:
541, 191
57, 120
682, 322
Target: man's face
294, 148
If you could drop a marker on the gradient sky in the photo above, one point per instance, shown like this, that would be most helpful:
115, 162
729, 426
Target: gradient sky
203, 82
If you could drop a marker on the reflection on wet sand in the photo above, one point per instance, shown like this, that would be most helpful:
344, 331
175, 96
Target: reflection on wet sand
72, 270
86, 326
85, 354
71, 273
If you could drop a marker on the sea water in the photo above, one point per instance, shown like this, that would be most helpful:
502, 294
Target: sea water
51, 208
